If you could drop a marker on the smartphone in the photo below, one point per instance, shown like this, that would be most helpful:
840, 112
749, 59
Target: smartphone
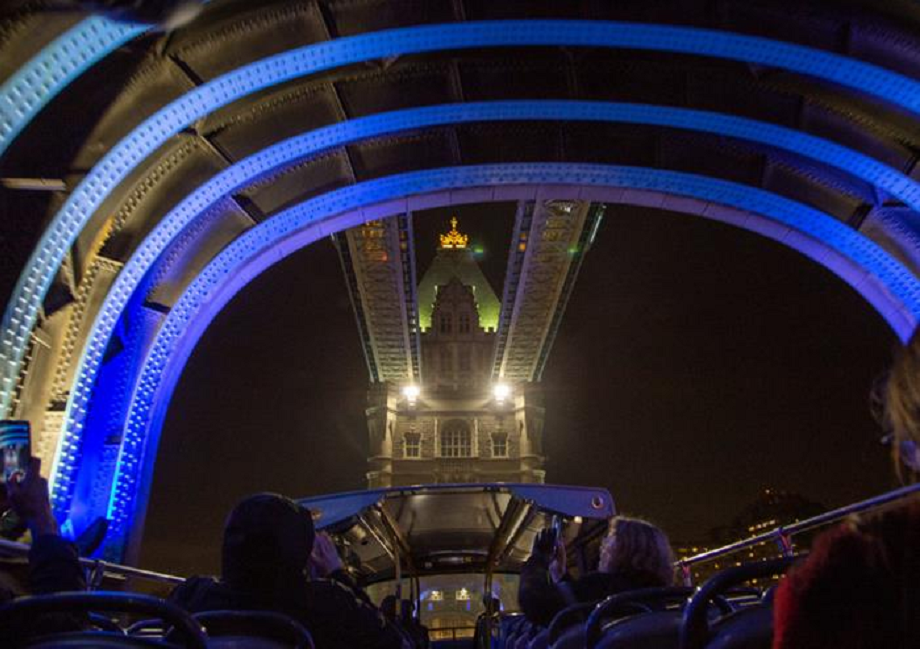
16, 445
557, 526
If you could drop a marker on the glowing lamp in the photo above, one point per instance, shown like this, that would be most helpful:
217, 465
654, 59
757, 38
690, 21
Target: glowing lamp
411, 393
501, 391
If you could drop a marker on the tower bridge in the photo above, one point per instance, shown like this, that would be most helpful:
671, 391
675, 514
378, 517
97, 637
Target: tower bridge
471, 410
148, 176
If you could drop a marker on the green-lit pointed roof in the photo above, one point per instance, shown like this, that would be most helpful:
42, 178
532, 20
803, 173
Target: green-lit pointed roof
457, 261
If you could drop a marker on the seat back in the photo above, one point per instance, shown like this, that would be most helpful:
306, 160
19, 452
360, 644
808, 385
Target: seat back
571, 638
255, 629
25, 612
655, 630
749, 628
697, 630
540, 641
94, 640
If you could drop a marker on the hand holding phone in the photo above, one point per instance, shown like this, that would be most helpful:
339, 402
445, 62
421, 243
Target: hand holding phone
30, 500
16, 446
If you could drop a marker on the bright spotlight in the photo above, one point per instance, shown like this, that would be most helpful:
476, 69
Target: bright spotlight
501, 391
411, 393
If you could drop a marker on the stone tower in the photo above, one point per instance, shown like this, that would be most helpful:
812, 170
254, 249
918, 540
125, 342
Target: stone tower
456, 424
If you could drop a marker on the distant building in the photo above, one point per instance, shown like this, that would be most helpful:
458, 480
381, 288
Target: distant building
772, 508
456, 425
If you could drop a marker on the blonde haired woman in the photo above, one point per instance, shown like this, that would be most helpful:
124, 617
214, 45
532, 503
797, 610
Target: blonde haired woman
859, 587
902, 410
634, 554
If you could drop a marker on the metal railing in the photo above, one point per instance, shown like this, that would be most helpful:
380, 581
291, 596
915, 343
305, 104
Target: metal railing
97, 569
783, 534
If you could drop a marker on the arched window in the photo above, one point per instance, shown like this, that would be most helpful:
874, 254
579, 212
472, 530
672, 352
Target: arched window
456, 440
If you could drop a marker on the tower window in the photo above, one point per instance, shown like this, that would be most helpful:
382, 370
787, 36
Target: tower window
463, 323
444, 323
412, 445
456, 440
499, 444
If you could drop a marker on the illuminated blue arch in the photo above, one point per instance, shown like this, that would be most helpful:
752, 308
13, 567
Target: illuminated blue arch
60, 62
311, 143
268, 242
21, 313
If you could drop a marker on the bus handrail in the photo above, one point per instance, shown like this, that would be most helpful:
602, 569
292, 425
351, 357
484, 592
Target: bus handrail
97, 566
780, 534
783, 533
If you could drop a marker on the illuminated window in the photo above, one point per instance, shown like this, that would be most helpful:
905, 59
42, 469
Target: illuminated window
444, 323
436, 596
463, 323
456, 440
462, 595
499, 445
412, 445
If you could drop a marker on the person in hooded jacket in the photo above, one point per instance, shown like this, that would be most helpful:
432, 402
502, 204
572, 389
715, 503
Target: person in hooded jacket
269, 549
634, 554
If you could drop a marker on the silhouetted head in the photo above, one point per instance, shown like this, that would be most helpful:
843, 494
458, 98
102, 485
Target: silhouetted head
859, 587
267, 541
406, 609
388, 607
636, 547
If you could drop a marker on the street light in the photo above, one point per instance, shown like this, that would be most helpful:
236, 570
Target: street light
501, 391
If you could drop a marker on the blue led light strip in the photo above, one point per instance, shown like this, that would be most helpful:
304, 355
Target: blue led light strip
313, 142
36, 83
222, 278
22, 311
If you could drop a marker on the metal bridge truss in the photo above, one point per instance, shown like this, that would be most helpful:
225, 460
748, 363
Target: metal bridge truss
549, 242
379, 263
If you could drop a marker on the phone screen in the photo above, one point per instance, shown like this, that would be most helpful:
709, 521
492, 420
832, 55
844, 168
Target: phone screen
557, 526
15, 443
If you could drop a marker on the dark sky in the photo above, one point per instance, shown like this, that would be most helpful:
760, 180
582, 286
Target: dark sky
697, 364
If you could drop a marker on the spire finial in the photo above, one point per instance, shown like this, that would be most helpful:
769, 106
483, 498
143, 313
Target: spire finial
454, 239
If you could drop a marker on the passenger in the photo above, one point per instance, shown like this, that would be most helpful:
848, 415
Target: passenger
388, 607
267, 550
417, 631
902, 410
54, 564
634, 554
858, 589
860, 585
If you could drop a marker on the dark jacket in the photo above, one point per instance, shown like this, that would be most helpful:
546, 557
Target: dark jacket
266, 546
334, 614
541, 599
54, 567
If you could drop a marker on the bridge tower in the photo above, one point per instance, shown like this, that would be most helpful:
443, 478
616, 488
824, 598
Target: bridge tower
455, 424
455, 391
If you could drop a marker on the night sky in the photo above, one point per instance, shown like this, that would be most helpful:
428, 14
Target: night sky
697, 365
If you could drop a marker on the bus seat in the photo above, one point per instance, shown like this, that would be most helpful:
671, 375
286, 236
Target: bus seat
253, 630
655, 630
571, 638
540, 641
94, 640
750, 628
